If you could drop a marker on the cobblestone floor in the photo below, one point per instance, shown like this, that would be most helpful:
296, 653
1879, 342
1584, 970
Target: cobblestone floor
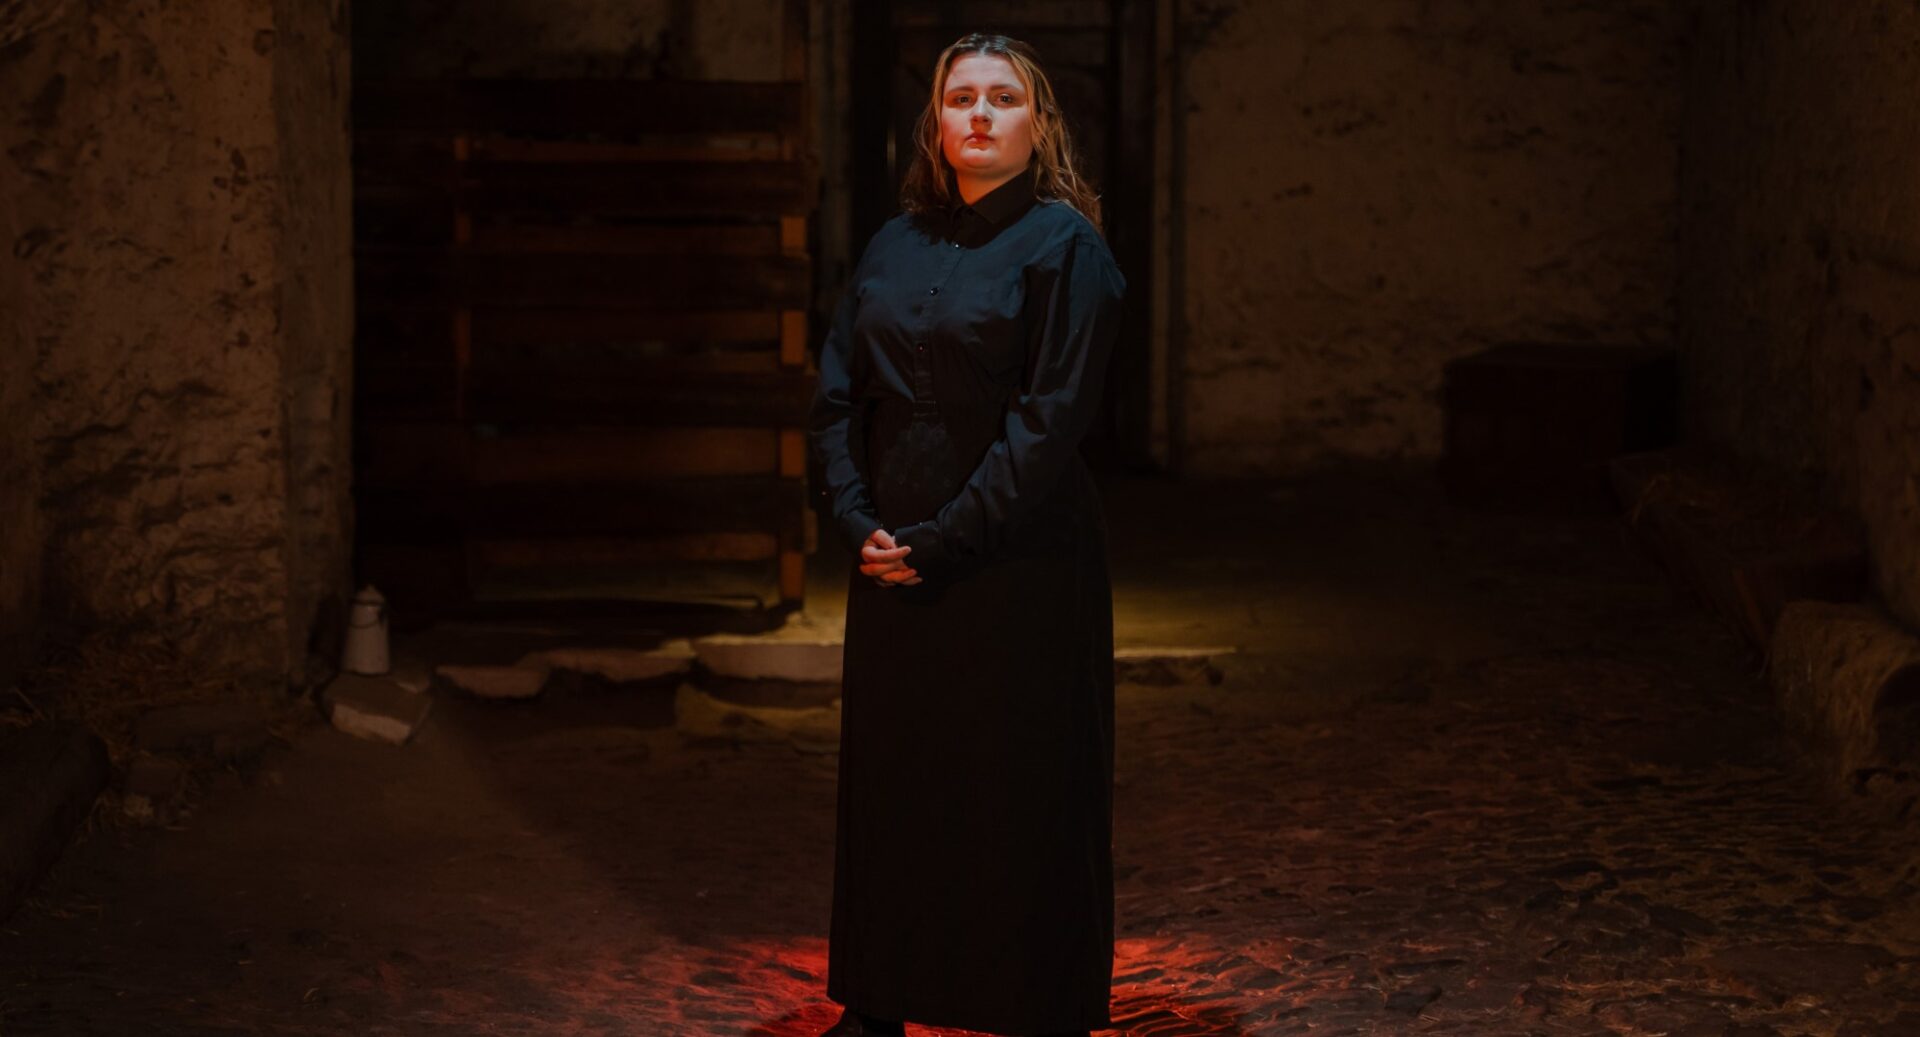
1468, 775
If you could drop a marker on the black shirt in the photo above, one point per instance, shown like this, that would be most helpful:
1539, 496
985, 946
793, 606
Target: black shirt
1009, 306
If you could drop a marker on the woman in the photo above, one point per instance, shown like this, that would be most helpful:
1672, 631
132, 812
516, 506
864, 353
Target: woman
973, 871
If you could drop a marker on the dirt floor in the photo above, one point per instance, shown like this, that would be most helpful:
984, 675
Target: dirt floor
1465, 774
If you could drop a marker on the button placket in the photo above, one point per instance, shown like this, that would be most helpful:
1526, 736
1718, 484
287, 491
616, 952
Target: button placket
922, 377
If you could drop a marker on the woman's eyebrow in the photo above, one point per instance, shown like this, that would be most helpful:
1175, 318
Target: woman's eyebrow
996, 86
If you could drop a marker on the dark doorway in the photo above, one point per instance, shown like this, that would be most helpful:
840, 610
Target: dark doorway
1099, 56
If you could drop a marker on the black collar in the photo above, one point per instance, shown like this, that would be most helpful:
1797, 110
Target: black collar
1002, 203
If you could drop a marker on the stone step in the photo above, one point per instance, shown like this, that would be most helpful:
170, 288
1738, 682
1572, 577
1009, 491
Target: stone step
493, 682
616, 666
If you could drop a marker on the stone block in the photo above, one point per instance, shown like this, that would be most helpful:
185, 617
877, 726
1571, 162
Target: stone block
375, 708
1847, 680
50, 774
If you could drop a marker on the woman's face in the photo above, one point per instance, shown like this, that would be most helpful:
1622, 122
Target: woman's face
984, 126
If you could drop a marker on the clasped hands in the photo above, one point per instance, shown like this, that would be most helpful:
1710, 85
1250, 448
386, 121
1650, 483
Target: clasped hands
881, 559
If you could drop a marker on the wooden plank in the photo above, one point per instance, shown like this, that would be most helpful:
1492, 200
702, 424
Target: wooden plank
381, 159
757, 504
619, 551
504, 397
586, 325
699, 146
741, 339
1062, 50
678, 189
1025, 15
793, 49
419, 392
709, 239
793, 338
410, 219
641, 361
401, 454
793, 575
563, 107
620, 281
403, 336
671, 189
793, 451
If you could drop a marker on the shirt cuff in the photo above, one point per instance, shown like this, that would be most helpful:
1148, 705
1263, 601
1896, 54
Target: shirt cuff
855, 528
929, 557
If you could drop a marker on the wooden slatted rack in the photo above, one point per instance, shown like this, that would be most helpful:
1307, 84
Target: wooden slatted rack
582, 321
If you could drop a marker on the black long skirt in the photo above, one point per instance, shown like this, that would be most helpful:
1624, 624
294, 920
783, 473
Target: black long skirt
973, 868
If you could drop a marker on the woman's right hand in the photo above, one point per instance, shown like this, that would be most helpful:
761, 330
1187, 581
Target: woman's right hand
881, 559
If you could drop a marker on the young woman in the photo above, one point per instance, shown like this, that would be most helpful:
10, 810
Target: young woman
973, 870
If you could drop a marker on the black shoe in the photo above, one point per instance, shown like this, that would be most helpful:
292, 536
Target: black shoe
853, 1024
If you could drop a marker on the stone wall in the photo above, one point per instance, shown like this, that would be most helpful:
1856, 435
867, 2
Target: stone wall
1800, 256
177, 285
1372, 188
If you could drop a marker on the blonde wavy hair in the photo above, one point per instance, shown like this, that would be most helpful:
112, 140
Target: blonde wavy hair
1055, 167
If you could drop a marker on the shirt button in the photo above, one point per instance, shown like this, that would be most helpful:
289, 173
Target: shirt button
956, 244
933, 291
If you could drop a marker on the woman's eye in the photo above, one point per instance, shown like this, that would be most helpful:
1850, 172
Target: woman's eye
1007, 98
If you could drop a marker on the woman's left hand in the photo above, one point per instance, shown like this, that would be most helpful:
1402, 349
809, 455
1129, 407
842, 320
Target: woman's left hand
881, 559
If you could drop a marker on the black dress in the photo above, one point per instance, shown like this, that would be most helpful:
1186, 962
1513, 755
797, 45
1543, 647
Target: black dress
973, 870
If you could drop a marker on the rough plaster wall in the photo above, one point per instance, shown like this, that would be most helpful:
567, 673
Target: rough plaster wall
147, 229
312, 88
1372, 188
616, 39
1800, 249
22, 537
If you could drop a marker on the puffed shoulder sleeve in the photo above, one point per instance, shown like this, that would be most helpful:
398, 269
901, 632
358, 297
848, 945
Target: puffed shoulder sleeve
1084, 291
833, 426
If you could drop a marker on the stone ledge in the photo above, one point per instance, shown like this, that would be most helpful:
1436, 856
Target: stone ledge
579, 668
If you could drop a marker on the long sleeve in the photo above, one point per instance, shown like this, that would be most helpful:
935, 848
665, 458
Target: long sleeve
1043, 427
833, 431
